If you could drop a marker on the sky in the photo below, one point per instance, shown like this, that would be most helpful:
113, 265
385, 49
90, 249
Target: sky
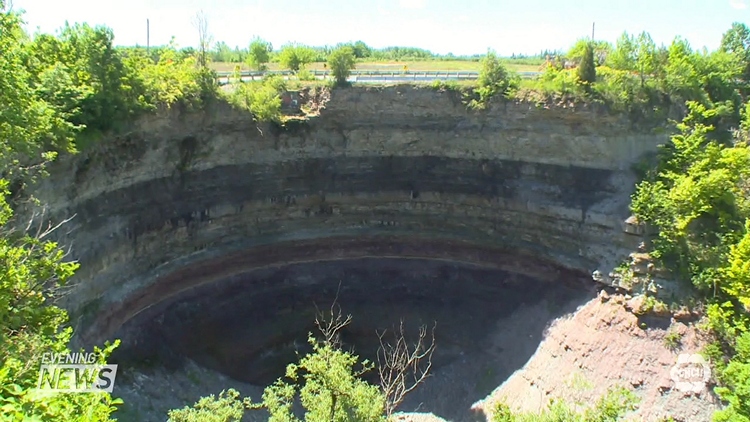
442, 26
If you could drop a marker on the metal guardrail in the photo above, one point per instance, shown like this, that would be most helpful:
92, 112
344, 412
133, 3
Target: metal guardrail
392, 73
373, 75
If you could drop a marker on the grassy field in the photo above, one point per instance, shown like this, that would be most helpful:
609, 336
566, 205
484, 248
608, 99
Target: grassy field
394, 66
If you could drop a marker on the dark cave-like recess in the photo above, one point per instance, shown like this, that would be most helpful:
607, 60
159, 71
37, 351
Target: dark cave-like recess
250, 326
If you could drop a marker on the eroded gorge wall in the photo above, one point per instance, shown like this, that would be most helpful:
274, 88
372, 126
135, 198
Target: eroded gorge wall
194, 197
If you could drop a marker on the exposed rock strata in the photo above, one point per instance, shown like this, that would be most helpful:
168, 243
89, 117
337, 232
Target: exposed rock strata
194, 197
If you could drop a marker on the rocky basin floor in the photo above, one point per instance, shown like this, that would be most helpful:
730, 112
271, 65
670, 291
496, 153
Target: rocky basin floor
597, 344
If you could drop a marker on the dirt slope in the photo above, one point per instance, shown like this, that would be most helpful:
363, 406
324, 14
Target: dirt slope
605, 344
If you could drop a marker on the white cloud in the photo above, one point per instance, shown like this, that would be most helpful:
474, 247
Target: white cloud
738, 4
412, 4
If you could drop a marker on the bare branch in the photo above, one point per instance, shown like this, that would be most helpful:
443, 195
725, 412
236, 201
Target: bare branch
200, 21
331, 325
31, 240
401, 367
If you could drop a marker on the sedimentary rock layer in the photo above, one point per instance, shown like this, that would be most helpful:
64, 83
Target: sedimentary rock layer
192, 197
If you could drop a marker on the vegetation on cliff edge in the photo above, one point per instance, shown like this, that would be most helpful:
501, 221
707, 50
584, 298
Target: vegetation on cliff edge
61, 92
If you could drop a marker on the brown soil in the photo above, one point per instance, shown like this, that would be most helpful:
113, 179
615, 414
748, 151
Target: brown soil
604, 344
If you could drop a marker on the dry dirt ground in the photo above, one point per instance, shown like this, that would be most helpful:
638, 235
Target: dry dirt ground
600, 344
605, 344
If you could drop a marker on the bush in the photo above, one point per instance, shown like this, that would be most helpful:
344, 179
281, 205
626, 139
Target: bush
170, 80
494, 79
625, 92
611, 407
449, 85
560, 83
341, 62
331, 390
226, 408
33, 270
735, 378
587, 67
295, 57
259, 54
260, 98
673, 340
699, 204
305, 75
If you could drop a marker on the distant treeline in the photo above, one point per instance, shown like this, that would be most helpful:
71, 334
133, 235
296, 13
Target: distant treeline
222, 52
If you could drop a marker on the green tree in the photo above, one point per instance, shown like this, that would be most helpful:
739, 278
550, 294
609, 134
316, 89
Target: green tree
698, 203
602, 50
341, 61
587, 67
361, 50
332, 389
494, 79
28, 124
228, 407
328, 381
32, 269
638, 54
261, 98
737, 41
719, 72
295, 56
259, 54
171, 79
223, 53
737, 272
682, 80
695, 200
83, 76
649, 59
624, 56
736, 385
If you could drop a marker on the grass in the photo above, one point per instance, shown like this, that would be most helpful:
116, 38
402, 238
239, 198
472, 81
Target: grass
673, 340
452, 65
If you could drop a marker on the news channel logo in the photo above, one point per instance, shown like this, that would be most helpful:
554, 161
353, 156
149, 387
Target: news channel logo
691, 373
75, 373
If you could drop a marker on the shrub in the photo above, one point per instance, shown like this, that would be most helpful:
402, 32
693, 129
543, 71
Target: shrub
625, 92
305, 75
611, 407
33, 270
259, 98
228, 407
587, 67
494, 79
735, 378
259, 54
170, 79
560, 83
332, 389
295, 57
341, 62
450, 85
672, 340
699, 204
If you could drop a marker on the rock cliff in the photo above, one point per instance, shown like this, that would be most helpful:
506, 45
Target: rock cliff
195, 197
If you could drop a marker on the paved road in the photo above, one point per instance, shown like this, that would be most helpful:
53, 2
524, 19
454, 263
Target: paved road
381, 76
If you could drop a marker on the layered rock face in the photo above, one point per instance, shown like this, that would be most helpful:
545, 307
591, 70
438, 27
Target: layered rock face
197, 197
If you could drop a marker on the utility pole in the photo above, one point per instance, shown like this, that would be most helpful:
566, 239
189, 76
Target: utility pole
148, 36
593, 26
